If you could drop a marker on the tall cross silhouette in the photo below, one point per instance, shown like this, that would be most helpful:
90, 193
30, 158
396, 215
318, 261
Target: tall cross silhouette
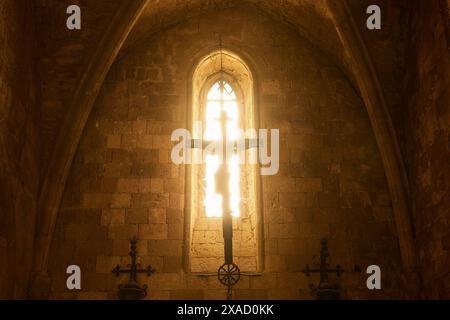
229, 272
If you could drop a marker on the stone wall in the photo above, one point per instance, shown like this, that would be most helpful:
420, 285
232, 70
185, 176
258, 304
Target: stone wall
427, 131
19, 146
331, 181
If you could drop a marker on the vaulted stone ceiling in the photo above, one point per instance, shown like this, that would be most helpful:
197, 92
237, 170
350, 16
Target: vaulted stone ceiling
64, 54
309, 18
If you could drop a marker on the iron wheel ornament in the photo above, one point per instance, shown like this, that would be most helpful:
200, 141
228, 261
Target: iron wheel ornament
229, 274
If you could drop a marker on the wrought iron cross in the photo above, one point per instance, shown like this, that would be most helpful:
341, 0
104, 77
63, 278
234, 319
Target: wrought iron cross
133, 267
323, 266
229, 273
325, 290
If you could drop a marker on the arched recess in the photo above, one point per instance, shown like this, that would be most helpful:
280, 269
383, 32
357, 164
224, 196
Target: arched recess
78, 113
203, 231
89, 85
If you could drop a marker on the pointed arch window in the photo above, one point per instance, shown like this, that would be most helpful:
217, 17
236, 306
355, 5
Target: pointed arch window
222, 82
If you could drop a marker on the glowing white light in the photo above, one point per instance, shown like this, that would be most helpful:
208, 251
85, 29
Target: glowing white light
213, 201
221, 97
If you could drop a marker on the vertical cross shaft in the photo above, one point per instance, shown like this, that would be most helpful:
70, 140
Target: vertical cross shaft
133, 266
222, 179
324, 254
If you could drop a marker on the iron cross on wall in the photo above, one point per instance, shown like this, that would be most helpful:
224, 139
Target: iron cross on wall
325, 290
132, 290
229, 273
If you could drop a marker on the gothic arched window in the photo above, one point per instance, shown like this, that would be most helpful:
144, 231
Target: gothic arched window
222, 92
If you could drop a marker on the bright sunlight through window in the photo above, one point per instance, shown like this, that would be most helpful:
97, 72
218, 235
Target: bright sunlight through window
221, 97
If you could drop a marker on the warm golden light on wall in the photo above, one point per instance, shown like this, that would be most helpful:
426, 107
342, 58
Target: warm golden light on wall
221, 98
